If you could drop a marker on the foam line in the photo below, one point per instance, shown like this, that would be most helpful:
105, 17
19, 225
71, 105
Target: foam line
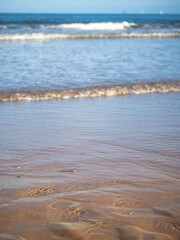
93, 92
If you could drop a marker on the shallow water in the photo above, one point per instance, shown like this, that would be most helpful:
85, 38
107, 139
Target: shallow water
39, 66
48, 70
107, 170
89, 127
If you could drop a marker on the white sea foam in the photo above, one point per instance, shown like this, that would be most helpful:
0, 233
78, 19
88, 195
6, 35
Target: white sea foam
94, 92
46, 36
48, 26
31, 36
82, 26
99, 26
3, 27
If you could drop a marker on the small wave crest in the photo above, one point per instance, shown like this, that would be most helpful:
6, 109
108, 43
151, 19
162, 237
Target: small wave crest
45, 36
3, 27
93, 92
81, 26
99, 26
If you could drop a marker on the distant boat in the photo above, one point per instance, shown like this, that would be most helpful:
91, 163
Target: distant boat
161, 12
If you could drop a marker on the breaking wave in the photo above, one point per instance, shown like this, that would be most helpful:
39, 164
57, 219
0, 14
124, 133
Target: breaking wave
99, 26
93, 92
81, 26
44, 36
109, 26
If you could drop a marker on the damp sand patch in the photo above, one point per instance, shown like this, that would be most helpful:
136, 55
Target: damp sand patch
136, 233
66, 170
67, 187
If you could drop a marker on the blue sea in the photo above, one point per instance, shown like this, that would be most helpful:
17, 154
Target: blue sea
89, 126
60, 56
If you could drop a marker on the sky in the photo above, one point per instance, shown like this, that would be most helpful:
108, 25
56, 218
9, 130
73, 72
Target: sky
89, 6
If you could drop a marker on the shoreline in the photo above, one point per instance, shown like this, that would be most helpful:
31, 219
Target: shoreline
91, 169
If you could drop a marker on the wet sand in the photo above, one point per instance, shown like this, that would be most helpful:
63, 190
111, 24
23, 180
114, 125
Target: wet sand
90, 169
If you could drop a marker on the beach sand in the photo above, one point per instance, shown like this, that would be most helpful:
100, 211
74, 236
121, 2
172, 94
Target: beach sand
105, 168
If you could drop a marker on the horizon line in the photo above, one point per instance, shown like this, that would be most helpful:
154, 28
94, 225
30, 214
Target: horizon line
121, 13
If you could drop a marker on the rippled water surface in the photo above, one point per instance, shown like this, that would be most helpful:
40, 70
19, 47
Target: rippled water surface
84, 168
89, 127
71, 64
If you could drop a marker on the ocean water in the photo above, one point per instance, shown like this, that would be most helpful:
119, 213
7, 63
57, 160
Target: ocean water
46, 56
89, 126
